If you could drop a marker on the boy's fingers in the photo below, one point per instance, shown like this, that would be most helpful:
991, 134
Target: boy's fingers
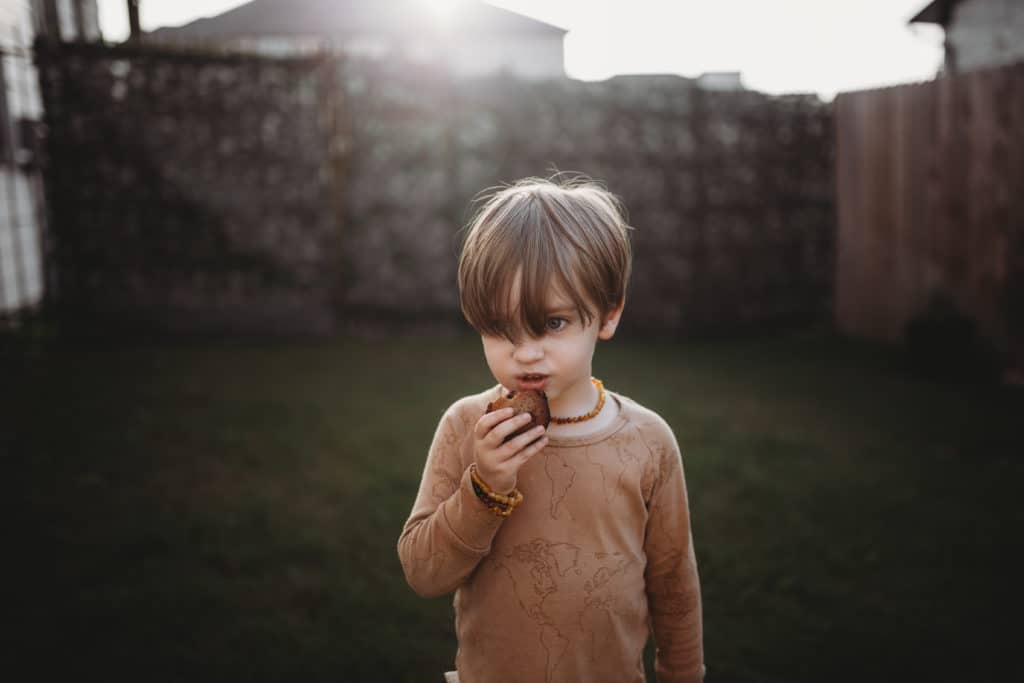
510, 425
517, 444
530, 451
487, 422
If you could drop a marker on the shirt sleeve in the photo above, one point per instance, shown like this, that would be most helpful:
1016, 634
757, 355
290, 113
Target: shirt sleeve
673, 585
449, 530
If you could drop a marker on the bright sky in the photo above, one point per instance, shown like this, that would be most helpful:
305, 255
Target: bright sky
822, 46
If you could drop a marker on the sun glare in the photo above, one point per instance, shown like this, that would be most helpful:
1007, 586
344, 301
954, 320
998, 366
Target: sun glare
442, 9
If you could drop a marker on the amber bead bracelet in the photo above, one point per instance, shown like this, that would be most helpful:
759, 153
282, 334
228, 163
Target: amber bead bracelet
499, 504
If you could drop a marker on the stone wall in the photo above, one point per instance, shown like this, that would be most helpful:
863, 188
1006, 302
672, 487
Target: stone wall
187, 191
730, 192
197, 191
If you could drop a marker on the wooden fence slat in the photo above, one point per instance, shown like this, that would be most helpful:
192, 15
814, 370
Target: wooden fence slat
929, 204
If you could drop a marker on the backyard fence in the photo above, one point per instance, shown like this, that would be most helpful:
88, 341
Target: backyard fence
931, 213
300, 195
189, 192
730, 192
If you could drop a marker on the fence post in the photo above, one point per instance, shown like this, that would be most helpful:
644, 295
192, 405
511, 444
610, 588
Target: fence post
698, 125
79, 15
133, 20
339, 140
50, 20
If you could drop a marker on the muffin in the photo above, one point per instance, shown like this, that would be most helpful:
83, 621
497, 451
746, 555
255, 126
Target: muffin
534, 402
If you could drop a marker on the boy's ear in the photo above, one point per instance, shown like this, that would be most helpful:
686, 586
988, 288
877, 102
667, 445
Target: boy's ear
611, 321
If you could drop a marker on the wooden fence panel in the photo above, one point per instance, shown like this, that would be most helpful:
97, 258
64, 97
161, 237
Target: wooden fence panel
1014, 299
929, 180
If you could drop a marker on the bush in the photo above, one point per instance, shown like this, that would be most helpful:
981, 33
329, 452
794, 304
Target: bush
944, 344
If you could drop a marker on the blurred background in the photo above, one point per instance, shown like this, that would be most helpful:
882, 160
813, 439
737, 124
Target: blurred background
229, 320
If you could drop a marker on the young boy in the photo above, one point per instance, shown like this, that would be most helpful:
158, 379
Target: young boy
563, 547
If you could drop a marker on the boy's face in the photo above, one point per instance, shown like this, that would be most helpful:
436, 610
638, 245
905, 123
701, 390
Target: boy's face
559, 361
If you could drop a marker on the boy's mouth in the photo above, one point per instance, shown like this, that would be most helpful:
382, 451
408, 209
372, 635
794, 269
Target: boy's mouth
531, 381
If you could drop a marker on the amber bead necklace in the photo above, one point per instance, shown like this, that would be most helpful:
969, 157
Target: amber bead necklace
589, 416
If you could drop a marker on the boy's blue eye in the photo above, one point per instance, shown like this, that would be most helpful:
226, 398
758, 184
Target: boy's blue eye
556, 324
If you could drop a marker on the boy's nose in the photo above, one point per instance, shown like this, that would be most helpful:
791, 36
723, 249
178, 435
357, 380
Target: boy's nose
528, 351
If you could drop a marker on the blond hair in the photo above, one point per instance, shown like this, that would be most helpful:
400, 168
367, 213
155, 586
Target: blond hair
536, 236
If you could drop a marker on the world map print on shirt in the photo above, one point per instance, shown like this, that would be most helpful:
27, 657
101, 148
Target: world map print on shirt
559, 575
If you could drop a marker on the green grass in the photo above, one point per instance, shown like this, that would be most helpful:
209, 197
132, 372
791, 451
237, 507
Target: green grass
215, 512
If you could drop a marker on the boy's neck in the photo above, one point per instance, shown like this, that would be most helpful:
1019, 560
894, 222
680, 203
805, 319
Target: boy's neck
599, 422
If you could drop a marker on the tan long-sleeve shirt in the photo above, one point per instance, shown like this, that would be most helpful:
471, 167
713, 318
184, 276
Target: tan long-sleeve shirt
566, 589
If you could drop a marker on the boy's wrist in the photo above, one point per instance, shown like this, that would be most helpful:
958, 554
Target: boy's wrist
492, 481
500, 504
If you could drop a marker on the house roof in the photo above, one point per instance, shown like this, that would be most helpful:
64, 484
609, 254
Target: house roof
935, 12
346, 17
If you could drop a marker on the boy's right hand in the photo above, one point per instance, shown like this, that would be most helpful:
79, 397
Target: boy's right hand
498, 463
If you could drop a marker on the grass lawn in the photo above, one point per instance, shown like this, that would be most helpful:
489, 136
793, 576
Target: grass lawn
216, 512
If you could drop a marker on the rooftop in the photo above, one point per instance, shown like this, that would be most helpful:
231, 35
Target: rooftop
348, 17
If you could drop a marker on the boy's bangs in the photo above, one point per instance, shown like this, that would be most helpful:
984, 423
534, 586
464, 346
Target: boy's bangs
524, 273
548, 278
535, 245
